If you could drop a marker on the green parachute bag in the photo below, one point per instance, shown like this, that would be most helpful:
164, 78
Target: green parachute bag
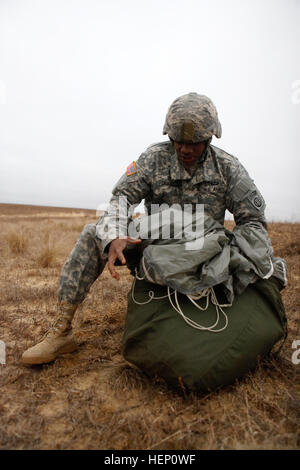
161, 343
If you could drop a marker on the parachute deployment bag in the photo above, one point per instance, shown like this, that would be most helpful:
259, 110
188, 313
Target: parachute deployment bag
157, 340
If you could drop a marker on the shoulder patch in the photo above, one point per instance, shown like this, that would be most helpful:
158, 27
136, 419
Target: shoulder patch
257, 200
131, 169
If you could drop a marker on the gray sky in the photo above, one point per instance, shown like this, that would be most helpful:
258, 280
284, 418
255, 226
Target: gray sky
85, 86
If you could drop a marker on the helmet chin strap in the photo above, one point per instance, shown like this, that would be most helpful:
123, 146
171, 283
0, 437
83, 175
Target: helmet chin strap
205, 150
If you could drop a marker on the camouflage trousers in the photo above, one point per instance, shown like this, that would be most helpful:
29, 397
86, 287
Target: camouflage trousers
84, 265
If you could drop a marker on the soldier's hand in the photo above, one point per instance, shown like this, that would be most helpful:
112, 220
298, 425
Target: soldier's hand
115, 252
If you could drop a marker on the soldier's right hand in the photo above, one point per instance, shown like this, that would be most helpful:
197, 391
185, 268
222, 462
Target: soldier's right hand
115, 252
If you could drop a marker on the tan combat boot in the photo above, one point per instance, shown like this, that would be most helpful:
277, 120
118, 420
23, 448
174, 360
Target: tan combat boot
58, 340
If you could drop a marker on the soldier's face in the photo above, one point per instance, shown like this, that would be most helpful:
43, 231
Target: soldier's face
188, 154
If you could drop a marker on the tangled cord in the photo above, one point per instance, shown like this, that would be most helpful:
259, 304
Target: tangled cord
150, 293
207, 293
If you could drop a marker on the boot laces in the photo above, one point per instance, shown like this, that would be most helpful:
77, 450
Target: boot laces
62, 325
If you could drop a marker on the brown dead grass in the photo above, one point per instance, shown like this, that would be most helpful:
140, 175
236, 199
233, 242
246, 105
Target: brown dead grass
92, 399
17, 241
47, 257
48, 253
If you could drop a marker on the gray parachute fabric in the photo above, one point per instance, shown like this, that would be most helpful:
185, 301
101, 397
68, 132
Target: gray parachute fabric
158, 341
203, 254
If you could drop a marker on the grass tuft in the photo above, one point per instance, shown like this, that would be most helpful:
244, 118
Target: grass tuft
17, 242
47, 257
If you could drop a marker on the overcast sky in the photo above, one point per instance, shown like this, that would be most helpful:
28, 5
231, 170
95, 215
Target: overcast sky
85, 86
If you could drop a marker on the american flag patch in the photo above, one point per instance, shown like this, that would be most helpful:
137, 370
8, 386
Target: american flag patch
131, 169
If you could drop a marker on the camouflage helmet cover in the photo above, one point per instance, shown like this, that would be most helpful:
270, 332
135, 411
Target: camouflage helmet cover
192, 118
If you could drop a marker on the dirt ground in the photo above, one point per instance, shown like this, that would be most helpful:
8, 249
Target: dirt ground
92, 399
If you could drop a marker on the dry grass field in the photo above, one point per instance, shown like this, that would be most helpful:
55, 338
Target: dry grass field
92, 399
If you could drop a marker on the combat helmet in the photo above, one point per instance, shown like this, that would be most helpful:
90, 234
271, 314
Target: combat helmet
192, 118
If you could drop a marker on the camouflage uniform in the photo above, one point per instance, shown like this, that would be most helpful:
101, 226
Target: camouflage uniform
219, 182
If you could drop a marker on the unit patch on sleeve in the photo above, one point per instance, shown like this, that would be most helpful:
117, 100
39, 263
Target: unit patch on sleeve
257, 200
131, 169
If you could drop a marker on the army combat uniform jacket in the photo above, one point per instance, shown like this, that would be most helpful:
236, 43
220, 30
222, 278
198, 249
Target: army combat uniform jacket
219, 182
